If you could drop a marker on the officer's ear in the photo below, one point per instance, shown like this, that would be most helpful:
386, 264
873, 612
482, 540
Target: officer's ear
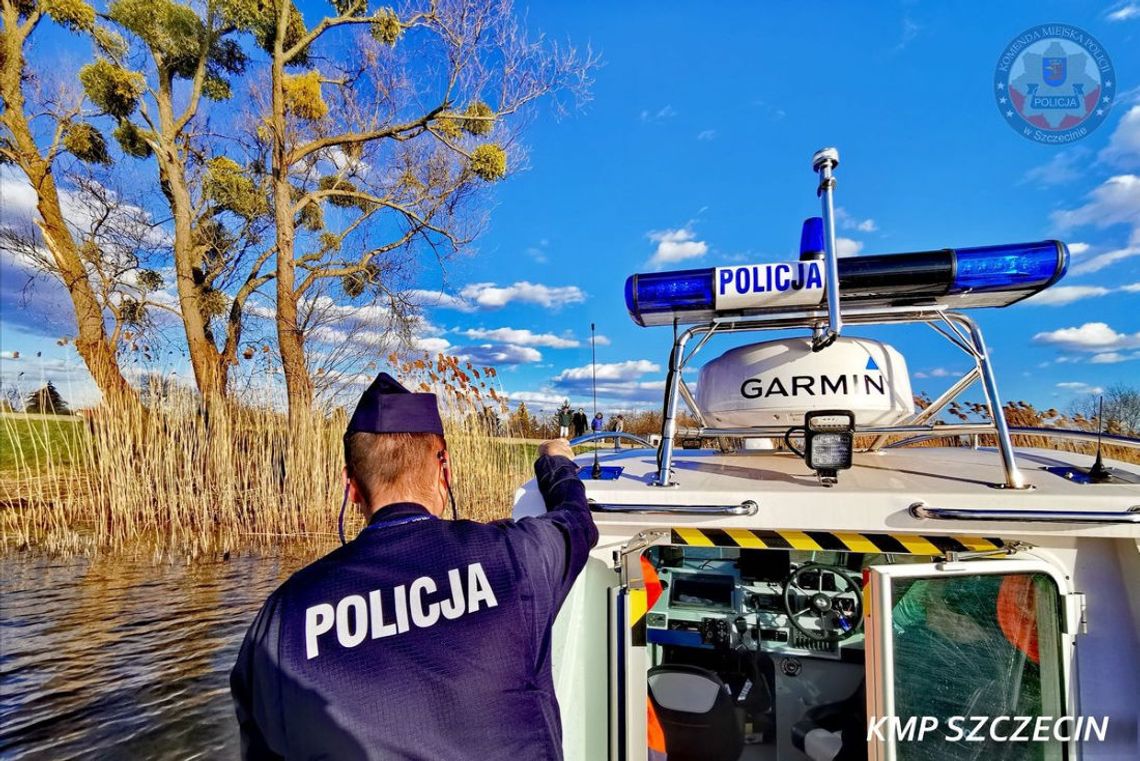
353, 492
444, 467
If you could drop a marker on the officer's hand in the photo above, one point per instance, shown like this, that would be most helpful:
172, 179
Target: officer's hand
556, 448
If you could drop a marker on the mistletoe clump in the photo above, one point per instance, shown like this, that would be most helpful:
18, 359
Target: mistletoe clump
170, 28
75, 15
228, 186
259, 18
386, 27
150, 280
214, 302
131, 311
110, 42
303, 96
449, 127
489, 162
478, 119
216, 89
86, 143
339, 185
311, 217
355, 284
111, 87
132, 140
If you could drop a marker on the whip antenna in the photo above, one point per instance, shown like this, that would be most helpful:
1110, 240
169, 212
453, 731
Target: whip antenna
1099, 473
596, 473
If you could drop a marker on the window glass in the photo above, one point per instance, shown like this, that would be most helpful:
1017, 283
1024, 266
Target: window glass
980, 645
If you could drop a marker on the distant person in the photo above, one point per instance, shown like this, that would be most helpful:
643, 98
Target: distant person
580, 421
563, 422
420, 638
598, 423
619, 426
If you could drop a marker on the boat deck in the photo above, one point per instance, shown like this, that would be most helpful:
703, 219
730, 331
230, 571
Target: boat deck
873, 496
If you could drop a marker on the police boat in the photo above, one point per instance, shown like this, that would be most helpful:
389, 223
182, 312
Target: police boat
801, 581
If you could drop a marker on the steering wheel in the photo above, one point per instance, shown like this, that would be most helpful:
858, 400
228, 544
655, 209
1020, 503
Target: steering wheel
834, 610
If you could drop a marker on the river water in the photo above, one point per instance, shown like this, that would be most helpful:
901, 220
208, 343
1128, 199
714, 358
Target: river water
112, 658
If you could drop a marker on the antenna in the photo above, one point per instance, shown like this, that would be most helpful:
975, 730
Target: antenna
1098, 473
596, 471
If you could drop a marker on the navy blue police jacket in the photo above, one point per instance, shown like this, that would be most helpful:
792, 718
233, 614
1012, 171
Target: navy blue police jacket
419, 639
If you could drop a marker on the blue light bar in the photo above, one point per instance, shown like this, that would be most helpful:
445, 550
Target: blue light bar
1001, 268
811, 239
986, 276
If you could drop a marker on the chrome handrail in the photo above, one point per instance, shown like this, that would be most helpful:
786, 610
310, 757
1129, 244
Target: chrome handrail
1089, 437
922, 511
747, 507
618, 435
928, 431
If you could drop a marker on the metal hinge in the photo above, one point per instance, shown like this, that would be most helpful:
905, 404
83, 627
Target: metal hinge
1076, 614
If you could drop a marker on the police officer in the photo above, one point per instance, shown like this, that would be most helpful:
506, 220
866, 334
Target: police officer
420, 638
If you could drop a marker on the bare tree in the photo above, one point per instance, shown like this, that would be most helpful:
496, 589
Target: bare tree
1121, 409
388, 142
36, 151
120, 248
216, 210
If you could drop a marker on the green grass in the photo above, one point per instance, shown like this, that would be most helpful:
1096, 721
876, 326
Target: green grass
32, 438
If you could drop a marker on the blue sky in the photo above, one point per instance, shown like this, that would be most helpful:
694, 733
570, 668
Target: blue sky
695, 151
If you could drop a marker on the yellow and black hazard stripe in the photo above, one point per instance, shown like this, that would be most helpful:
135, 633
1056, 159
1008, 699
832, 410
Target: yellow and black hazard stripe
841, 541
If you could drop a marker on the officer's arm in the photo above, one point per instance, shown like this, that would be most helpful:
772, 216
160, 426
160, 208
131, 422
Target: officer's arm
253, 685
562, 538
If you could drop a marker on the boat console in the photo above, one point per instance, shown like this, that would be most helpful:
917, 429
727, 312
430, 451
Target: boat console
758, 602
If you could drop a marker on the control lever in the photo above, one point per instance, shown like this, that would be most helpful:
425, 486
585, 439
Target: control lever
714, 631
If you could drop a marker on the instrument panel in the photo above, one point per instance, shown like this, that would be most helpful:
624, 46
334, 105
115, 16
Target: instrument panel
710, 605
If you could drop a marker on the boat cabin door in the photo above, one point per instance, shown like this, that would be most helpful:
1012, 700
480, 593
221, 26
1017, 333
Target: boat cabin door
963, 657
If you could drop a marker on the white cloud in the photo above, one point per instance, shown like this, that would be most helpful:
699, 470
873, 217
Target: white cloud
1107, 259
613, 371
521, 337
1123, 147
1111, 358
1131, 288
706, 135
1078, 249
1116, 201
676, 246
1092, 336
848, 222
492, 296
847, 247
499, 354
1064, 167
661, 114
538, 399
1123, 12
1080, 387
439, 299
938, 372
434, 345
1065, 294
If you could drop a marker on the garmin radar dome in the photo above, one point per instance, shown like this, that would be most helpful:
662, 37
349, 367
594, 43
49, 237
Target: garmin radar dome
779, 382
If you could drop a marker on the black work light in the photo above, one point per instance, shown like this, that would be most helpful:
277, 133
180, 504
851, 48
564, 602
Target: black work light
829, 439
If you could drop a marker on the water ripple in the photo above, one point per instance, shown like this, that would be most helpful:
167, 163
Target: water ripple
123, 659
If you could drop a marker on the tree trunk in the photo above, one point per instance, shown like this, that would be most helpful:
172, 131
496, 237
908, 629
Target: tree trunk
290, 341
91, 341
210, 368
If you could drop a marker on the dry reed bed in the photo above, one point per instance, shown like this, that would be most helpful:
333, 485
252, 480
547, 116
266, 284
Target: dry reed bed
184, 479
187, 478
